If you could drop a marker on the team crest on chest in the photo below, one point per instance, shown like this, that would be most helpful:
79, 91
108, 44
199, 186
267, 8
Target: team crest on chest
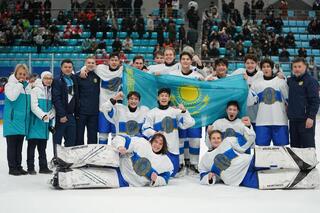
269, 96
229, 133
222, 162
132, 127
167, 124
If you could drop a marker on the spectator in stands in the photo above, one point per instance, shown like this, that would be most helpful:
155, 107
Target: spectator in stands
162, 7
127, 45
67, 33
102, 44
76, 32
26, 38
160, 35
169, 8
214, 49
140, 26
278, 24
193, 17
127, 7
284, 56
314, 43
313, 68
172, 32
283, 7
192, 37
75, 5
157, 48
236, 17
38, 40
316, 5
17, 31
239, 51
127, 25
259, 5
225, 10
223, 37
137, 7
313, 26
138, 62
302, 52
281, 41
182, 35
274, 48
150, 25
122, 57
290, 40
117, 45
61, 18
175, 8
167, 43
101, 56
246, 11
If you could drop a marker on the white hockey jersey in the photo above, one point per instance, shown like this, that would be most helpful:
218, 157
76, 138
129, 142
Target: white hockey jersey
167, 121
192, 75
162, 68
111, 82
271, 95
138, 148
228, 162
253, 109
233, 129
126, 122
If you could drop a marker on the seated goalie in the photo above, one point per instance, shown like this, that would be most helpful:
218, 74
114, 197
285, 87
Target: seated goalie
268, 168
128, 161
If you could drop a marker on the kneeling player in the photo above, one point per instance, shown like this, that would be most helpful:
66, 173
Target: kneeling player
141, 163
226, 160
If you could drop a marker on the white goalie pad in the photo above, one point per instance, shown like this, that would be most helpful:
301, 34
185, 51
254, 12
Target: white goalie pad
91, 177
288, 179
92, 154
285, 157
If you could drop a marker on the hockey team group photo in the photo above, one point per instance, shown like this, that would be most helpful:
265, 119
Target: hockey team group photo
159, 99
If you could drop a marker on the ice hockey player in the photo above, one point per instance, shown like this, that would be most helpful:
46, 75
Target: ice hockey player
141, 163
167, 120
232, 126
226, 160
111, 81
271, 95
129, 119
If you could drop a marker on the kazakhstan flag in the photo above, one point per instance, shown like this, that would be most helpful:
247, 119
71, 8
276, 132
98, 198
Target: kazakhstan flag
205, 100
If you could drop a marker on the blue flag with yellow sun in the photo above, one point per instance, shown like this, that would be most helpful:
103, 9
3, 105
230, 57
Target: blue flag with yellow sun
205, 100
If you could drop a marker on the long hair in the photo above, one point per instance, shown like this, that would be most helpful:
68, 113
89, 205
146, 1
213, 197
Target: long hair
164, 149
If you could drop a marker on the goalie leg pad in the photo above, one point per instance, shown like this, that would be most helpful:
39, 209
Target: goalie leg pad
285, 157
91, 154
288, 179
88, 178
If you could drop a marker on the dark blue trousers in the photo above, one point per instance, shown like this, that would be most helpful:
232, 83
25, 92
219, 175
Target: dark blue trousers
91, 122
67, 131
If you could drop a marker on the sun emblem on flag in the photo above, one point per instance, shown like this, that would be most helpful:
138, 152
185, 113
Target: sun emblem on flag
191, 97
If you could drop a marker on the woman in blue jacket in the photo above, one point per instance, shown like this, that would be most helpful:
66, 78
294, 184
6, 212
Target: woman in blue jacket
16, 117
40, 121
